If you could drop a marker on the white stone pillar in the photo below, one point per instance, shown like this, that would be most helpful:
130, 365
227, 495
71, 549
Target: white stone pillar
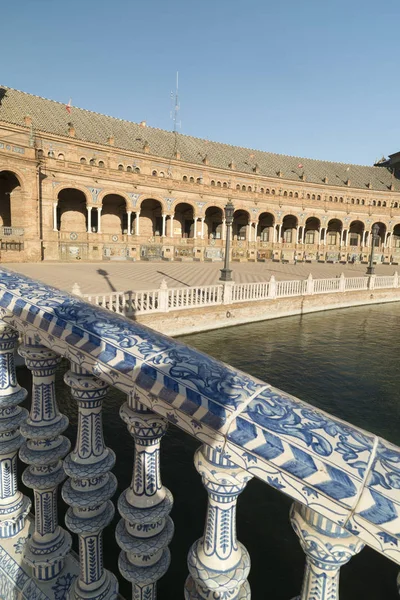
137, 223
385, 245
129, 221
303, 237
89, 219
202, 228
99, 209
164, 218
55, 216
195, 227
171, 218
223, 233
280, 233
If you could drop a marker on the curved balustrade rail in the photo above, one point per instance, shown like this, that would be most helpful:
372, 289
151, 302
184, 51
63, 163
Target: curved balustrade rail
167, 299
344, 480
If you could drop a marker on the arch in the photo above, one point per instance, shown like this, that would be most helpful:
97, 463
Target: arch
380, 239
40, 153
265, 227
183, 220
61, 156
65, 186
238, 187
285, 194
129, 169
312, 227
83, 160
150, 219
243, 188
101, 164
113, 216
92, 162
225, 185
249, 188
10, 196
396, 236
356, 233
241, 219
296, 194
120, 167
213, 220
154, 173
191, 180
333, 232
71, 210
289, 229
219, 184
184, 178
212, 182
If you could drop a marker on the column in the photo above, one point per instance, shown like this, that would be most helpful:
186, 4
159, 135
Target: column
99, 209
90, 487
364, 235
137, 223
327, 547
89, 219
223, 233
319, 236
248, 232
43, 451
55, 216
280, 233
164, 217
303, 235
146, 528
129, 219
195, 227
171, 218
218, 563
298, 234
14, 506
386, 240
202, 228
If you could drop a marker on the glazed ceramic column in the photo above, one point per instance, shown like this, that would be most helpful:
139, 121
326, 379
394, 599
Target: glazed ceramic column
14, 506
327, 547
90, 488
44, 450
145, 529
218, 563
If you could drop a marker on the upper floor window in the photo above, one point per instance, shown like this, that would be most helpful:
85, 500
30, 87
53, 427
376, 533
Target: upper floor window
83, 160
185, 178
154, 173
120, 167
129, 169
61, 157
92, 162
101, 164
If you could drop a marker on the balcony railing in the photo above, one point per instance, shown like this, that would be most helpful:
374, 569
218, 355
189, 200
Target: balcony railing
343, 480
11, 231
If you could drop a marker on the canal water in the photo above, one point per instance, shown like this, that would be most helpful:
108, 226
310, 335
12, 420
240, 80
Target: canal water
345, 362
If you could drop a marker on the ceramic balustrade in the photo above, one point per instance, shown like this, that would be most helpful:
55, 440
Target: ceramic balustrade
218, 563
14, 506
43, 451
346, 478
145, 530
327, 547
90, 487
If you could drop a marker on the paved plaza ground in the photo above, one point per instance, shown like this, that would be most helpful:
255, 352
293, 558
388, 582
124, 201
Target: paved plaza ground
104, 277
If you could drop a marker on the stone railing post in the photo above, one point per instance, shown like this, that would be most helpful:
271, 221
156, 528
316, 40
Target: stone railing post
43, 451
163, 297
342, 283
396, 280
272, 287
14, 506
327, 547
228, 292
218, 563
310, 285
90, 487
371, 282
145, 529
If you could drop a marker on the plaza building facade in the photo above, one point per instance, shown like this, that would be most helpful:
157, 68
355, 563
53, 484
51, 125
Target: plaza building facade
77, 185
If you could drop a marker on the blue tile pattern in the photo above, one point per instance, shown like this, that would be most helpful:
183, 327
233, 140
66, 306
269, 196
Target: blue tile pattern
334, 468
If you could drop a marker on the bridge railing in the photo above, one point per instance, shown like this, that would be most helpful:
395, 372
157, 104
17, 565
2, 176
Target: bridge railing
167, 299
343, 480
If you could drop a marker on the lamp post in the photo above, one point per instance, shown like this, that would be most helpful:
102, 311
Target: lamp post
226, 272
374, 232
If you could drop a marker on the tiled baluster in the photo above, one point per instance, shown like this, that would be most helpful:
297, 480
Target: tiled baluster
218, 563
14, 506
327, 547
90, 488
44, 450
145, 530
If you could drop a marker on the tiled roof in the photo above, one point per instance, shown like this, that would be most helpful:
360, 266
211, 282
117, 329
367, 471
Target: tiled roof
52, 117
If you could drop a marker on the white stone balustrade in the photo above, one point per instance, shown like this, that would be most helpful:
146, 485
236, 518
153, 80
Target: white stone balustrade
14, 506
327, 547
90, 487
145, 530
44, 450
218, 563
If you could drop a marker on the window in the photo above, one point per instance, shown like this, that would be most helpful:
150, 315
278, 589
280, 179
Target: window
92, 162
185, 178
199, 180
137, 170
238, 187
353, 239
243, 188
363, 202
161, 174
241, 232
341, 199
129, 169
101, 164
273, 192
330, 199
224, 185
384, 203
285, 193
154, 173
332, 238
83, 160
318, 197
218, 184
212, 182
51, 154
296, 195
249, 188
264, 237
261, 190
120, 167
396, 241
267, 191
40, 153
308, 197
192, 180
287, 236
310, 236
61, 157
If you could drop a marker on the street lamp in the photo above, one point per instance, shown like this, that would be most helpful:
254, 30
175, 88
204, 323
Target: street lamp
226, 272
375, 231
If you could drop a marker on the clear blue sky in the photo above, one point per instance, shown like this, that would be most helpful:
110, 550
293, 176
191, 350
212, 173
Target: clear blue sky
317, 78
